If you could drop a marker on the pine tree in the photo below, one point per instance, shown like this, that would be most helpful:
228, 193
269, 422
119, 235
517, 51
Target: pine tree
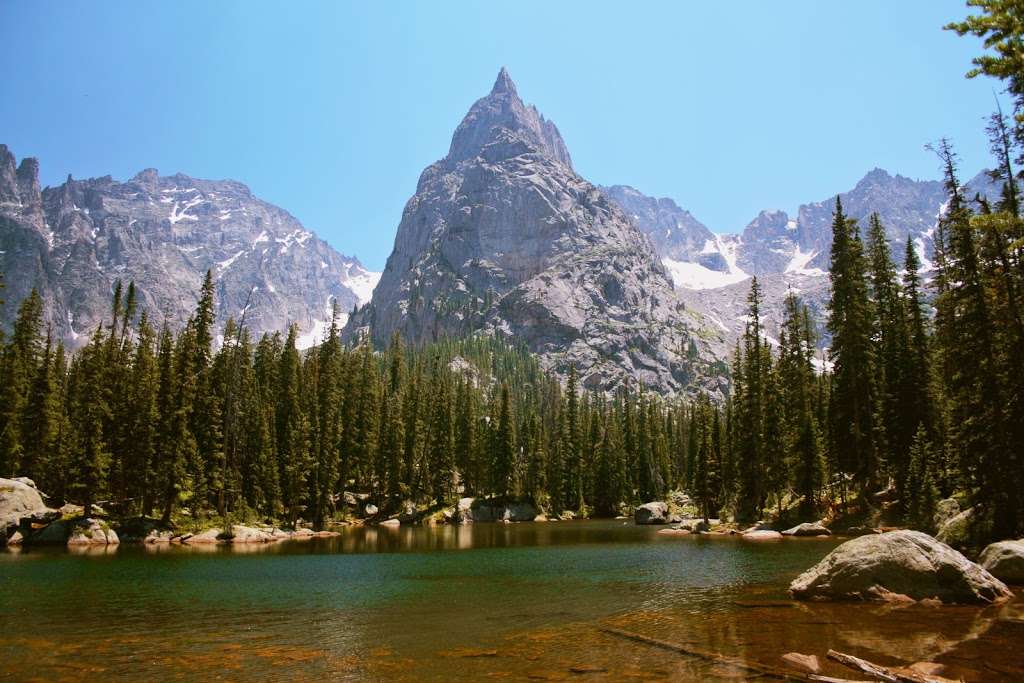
853, 408
504, 452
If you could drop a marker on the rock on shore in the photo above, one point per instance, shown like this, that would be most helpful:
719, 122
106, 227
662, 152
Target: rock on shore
19, 498
898, 566
1005, 561
808, 529
651, 513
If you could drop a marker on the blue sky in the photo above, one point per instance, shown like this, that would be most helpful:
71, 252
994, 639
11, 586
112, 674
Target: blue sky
332, 109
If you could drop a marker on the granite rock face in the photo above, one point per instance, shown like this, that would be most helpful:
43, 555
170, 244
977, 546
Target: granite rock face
72, 242
504, 238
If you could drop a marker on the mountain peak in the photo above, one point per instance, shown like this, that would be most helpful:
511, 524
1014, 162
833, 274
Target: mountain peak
501, 117
503, 83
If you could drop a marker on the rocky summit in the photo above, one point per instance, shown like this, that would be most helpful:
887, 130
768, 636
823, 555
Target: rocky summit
73, 241
503, 237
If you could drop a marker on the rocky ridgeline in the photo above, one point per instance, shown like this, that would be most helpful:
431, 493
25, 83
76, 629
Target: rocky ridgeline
786, 252
72, 242
502, 237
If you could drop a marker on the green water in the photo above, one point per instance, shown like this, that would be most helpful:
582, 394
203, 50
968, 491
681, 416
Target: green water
519, 602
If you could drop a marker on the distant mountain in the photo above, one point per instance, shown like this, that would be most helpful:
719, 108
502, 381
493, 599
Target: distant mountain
73, 241
502, 237
785, 253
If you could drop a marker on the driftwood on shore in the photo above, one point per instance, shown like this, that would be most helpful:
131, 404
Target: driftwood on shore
884, 673
877, 672
756, 667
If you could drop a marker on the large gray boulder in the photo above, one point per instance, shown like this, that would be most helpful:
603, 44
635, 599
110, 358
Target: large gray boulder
898, 566
651, 513
18, 498
1005, 561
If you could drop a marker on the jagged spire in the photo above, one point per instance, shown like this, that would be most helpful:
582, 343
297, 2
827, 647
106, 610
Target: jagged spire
503, 83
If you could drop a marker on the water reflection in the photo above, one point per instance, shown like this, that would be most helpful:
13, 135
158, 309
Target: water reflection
487, 600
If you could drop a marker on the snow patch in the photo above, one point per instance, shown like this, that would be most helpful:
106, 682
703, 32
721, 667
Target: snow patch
362, 285
226, 263
798, 264
696, 276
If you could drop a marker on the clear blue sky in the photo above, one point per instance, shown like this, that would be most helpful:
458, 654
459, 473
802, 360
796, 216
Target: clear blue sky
332, 109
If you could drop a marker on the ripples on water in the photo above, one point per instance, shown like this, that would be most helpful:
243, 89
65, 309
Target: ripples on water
516, 601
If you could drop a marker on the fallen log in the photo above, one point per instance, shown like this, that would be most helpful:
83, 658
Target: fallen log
756, 667
884, 673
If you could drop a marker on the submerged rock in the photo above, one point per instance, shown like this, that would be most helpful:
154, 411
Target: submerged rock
808, 529
1005, 561
802, 662
898, 566
651, 513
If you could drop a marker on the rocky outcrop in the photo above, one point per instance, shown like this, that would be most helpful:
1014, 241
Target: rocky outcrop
1005, 561
471, 510
504, 238
651, 513
18, 497
673, 231
808, 529
90, 531
71, 242
898, 566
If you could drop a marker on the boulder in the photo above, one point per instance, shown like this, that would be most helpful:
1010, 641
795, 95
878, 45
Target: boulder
247, 534
966, 530
485, 510
808, 529
390, 522
761, 535
1005, 561
18, 499
861, 531
898, 566
945, 510
206, 537
90, 531
370, 509
651, 513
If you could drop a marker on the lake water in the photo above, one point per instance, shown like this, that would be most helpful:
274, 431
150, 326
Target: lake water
535, 601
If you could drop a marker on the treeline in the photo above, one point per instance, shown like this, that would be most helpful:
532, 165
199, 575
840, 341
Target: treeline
926, 405
154, 423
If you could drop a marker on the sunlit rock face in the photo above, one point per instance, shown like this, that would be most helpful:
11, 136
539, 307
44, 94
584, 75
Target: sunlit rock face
73, 241
503, 237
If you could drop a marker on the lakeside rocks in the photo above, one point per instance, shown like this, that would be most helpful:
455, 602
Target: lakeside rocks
651, 513
469, 510
19, 498
761, 535
1005, 561
898, 566
92, 532
808, 529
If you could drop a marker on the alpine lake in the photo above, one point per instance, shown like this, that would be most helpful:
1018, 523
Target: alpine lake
580, 600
